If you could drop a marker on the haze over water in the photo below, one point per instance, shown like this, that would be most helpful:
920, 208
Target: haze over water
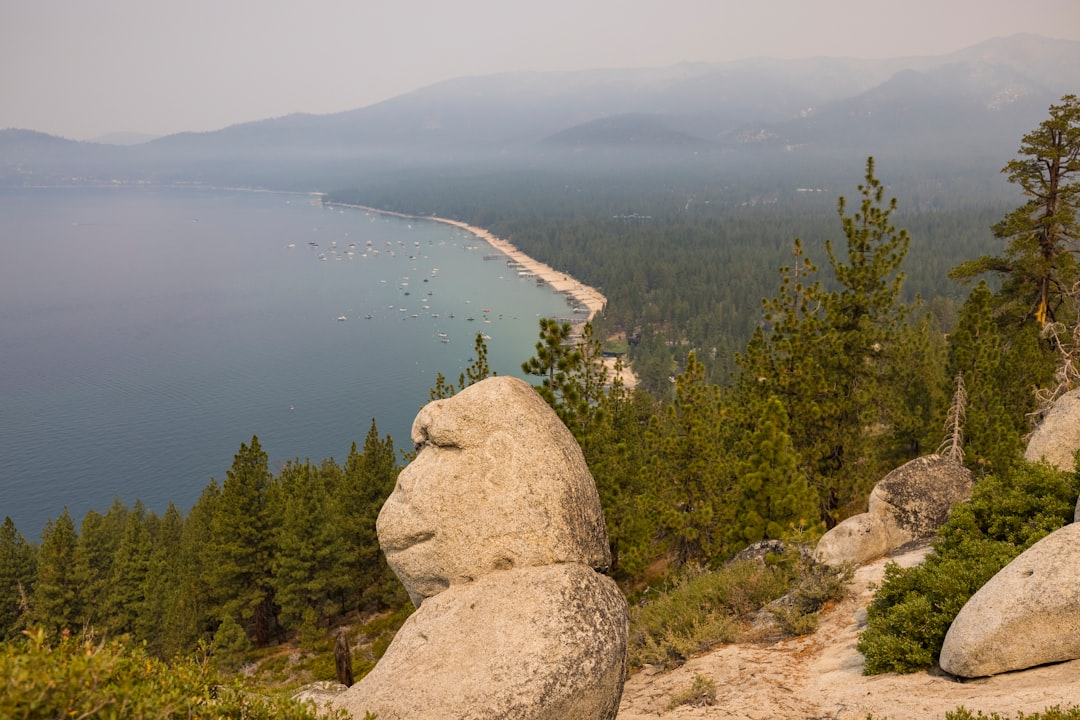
146, 333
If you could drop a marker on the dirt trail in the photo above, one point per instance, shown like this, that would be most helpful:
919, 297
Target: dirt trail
820, 676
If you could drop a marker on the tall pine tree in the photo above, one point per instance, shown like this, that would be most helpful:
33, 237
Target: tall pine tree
18, 568
241, 545
311, 558
1039, 268
774, 499
830, 357
864, 319
127, 576
688, 474
369, 478
54, 605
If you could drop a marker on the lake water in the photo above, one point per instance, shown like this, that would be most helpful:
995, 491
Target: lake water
146, 333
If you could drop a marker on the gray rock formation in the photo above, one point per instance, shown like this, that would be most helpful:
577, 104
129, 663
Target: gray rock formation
907, 505
1026, 615
1058, 436
496, 531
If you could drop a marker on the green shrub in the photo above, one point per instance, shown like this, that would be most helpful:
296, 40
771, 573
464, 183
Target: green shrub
796, 613
104, 679
700, 694
705, 608
913, 608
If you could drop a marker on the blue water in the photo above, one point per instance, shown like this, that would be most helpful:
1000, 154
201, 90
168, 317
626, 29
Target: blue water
146, 333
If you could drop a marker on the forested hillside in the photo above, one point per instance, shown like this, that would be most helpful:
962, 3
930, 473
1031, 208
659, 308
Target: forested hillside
685, 255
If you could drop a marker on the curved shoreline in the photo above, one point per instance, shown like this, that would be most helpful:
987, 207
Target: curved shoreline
588, 297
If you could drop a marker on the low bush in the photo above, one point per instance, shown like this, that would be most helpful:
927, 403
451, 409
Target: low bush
704, 608
88, 677
913, 607
701, 693
796, 613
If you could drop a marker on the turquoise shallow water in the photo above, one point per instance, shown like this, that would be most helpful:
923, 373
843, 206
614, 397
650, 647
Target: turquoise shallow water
146, 333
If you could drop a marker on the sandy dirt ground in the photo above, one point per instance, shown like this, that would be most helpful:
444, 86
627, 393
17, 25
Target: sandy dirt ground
820, 676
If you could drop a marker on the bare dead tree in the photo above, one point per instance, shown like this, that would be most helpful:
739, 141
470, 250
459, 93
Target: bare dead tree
953, 444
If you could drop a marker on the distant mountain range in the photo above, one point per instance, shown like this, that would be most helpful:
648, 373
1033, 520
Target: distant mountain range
975, 103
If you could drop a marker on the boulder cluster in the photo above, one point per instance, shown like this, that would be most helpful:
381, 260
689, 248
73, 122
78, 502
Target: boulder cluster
495, 529
907, 505
1026, 615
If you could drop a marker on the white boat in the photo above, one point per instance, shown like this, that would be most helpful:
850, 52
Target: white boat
342, 318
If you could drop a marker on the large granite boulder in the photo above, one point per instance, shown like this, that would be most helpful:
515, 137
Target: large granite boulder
496, 531
907, 505
504, 485
1057, 438
1026, 615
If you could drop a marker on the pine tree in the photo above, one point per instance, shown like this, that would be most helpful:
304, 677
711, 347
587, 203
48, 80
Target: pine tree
688, 473
369, 478
997, 367
774, 497
164, 581
190, 610
864, 319
54, 605
556, 355
784, 360
917, 376
231, 645
241, 545
309, 565
831, 357
615, 453
127, 601
477, 371
99, 536
1039, 268
18, 568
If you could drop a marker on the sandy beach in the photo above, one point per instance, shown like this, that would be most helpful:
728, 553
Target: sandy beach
585, 296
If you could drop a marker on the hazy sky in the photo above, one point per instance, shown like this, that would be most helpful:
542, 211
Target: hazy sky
81, 68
